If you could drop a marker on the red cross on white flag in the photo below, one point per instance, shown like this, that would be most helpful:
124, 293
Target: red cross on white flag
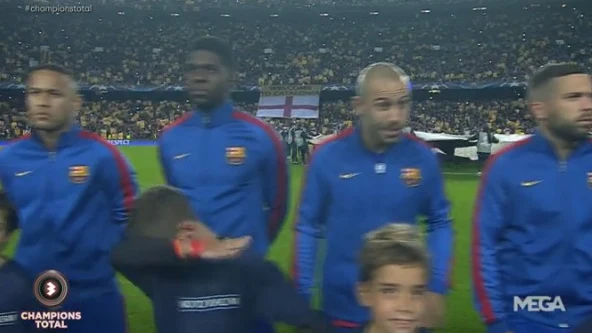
288, 107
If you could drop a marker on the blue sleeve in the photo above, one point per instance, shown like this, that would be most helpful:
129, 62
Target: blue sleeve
310, 216
276, 299
440, 235
119, 179
164, 167
488, 222
275, 183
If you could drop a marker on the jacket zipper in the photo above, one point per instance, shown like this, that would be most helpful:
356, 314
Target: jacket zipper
566, 204
52, 156
207, 123
206, 120
562, 166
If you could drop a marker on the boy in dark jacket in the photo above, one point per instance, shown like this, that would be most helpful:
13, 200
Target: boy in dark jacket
197, 282
16, 285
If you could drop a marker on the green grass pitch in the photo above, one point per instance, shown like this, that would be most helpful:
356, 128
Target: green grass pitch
460, 189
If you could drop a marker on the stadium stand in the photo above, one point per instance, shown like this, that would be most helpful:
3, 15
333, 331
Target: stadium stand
196, 5
104, 47
461, 46
144, 119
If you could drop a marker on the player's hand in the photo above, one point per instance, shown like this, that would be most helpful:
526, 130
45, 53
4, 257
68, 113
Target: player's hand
194, 230
226, 248
188, 247
434, 314
197, 240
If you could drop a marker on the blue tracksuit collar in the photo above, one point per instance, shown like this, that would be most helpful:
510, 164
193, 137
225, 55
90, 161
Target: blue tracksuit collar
544, 145
360, 143
68, 138
213, 118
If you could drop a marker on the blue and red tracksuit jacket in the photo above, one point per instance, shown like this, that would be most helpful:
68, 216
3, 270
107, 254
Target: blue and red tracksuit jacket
232, 167
532, 235
349, 191
72, 204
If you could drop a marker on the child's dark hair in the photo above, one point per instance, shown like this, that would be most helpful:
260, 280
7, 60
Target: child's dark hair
8, 209
158, 211
394, 244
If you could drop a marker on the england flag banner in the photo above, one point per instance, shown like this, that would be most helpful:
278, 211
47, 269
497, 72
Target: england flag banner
289, 102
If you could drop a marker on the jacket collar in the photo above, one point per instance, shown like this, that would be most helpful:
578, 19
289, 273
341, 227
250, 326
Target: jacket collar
360, 143
67, 138
213, 118
542, 144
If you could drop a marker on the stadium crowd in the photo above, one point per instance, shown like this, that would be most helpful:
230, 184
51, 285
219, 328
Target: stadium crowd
145, 119
195, 5
134, 49
472, 47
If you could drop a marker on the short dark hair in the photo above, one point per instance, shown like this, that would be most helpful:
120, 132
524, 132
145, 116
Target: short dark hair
548, 72
8, 209
158, 211
217, 46
394, 244
52, 68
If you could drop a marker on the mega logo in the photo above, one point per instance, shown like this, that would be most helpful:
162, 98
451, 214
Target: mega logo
538, 304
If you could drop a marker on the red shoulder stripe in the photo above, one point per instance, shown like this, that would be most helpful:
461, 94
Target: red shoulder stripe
126, 182
279, 203
178, 121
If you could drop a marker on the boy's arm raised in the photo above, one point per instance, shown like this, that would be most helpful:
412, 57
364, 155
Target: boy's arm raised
142, 251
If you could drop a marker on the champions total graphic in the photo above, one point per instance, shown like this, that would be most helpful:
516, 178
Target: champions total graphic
51, 291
